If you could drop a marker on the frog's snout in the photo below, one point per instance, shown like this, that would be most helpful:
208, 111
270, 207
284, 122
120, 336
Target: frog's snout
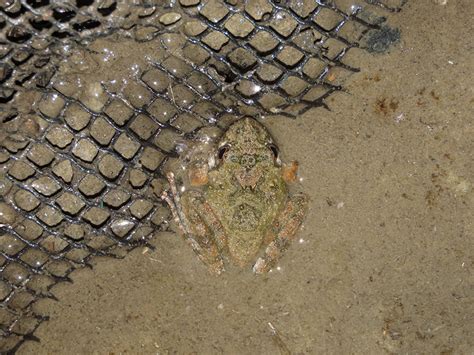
248, 161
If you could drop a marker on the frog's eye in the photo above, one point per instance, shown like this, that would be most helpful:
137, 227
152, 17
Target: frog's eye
274, 149
222, 150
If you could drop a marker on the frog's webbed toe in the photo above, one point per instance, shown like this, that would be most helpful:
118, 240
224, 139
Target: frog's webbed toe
285, 228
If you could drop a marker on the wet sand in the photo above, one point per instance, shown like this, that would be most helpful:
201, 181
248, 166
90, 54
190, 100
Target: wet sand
385, 259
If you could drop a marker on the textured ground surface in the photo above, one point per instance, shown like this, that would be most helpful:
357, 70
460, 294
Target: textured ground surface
386, 259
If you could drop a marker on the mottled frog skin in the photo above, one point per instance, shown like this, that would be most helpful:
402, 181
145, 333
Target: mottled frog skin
244, 204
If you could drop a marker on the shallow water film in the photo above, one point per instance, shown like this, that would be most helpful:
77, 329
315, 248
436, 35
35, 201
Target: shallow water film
99, 100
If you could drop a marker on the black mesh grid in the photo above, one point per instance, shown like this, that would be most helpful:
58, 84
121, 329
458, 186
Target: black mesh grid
80, 177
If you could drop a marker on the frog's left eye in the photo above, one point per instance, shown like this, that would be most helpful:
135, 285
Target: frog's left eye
222, 150
274, 150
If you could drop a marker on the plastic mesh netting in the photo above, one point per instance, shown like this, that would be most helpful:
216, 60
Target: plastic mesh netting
83, 146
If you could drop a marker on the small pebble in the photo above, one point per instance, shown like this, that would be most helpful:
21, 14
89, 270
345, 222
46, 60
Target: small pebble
170, 18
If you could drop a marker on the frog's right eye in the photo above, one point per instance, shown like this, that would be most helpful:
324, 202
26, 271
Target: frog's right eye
222, 150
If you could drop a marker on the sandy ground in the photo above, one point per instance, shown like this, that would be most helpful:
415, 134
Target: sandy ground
386, 257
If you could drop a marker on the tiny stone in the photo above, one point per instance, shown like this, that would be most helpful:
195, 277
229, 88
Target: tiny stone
334, 48
195, 53
110, 166
93, 96
186, 123
289, 56
258, 8
194, 28
239, 26
140, 208
264, 42
271, 101
157, 80
177, 67
54, 244
5, 185
5, 290
162, 111
314, 68
283, 23
158, 186
15, 273
7, 214
78, 255
59, 268
146, 11
206, 110
173, 42
51, 105
35, 258
10, 245
126, 146
59, 136
145, 33
4, 157
201, 83
68, 85
96, 216
74, 231
151, 158
293, 85
137, 178
143, 126
21, 300
216, 40
116, 198
242, 59
328, 19
183, 97
166, 139
189, 2
161, 215
76, 117
303, 8
85, 150
102, 131
91, 185
170, 18
70, 203
137, 94
269, 73
41, 155
309, 40
64, 170
119, 112
21, 171
248, 88
26, 200
15, 142
121, 227
214, 11
46, 186
29, 229
49, 216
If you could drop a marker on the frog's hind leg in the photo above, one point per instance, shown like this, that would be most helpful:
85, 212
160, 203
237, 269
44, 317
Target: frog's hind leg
193, 228
284, 231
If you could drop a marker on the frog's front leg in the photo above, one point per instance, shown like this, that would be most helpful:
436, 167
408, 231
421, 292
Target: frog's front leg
283, 232
197, 221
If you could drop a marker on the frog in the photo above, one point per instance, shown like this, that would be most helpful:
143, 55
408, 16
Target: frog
242, 212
